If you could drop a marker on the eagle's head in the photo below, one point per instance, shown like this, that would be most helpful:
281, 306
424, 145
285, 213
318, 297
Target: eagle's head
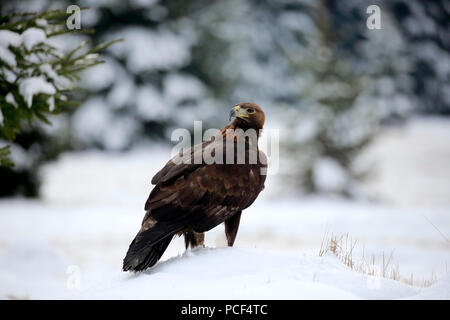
248, 115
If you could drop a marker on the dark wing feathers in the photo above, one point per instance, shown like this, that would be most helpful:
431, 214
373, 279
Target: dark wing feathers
201, 192
181, 164
206, 196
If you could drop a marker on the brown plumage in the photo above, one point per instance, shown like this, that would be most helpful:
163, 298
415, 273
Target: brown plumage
191, 198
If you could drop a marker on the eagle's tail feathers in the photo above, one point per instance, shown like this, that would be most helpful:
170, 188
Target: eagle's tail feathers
147, 248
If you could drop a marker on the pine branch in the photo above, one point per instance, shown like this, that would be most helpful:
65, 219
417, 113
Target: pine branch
5, 157
34, 76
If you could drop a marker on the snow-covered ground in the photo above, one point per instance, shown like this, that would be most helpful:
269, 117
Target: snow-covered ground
71, 243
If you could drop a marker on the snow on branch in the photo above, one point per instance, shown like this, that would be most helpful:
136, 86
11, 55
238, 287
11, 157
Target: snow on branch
35, 76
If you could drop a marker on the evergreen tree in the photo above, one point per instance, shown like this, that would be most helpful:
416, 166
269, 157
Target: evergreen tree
150, 83
425, 26
36, 82
352, 83
323, 77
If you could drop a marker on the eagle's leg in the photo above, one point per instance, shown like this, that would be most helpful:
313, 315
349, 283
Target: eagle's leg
231, 227
194, 239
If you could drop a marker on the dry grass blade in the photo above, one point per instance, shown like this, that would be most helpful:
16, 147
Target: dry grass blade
342, 247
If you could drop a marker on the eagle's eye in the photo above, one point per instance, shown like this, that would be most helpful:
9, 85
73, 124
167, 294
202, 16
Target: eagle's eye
250, 110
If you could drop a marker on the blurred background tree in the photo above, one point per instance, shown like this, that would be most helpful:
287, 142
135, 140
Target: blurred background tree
321, 75
425, 28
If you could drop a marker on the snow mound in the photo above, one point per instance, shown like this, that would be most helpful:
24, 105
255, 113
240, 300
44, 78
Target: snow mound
236, 273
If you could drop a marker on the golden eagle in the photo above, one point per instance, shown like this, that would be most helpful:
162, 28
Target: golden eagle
191, 197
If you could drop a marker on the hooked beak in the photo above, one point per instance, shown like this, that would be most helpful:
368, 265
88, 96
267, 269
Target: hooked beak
238, 112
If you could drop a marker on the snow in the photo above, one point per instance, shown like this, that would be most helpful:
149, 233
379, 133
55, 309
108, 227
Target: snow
29, 38
70, 244
122, 93
51, 103
149, 50
8, 38
47, 69
409, 166
60, 82
59, 236
10, 99
91, 121
305, 130
94, 122
150, 105
91, 56
244, 274
22, 159
182, 86
8, 74
144, 3
329, 176
32, 37
41, 22
442, 289
101, 76
29, 87
8, 57
86, 59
